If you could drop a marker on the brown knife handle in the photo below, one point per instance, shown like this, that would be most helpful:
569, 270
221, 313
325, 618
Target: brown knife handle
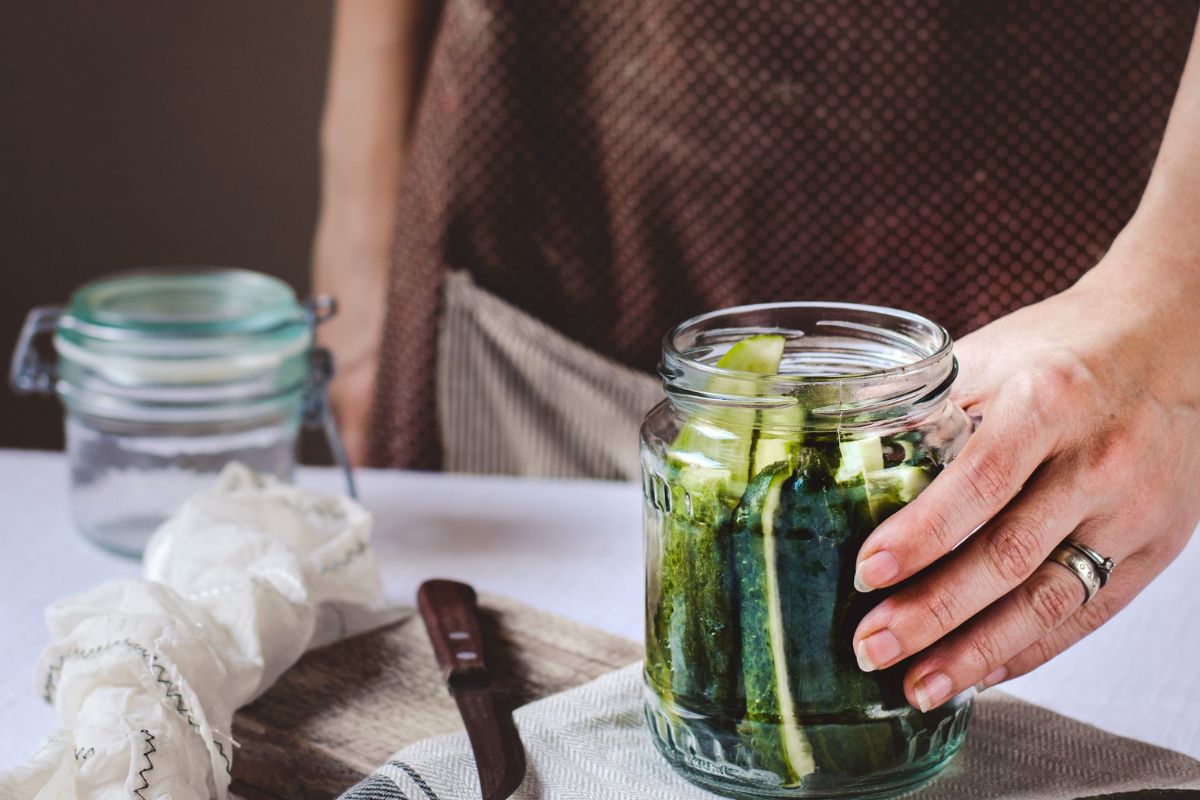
451, 617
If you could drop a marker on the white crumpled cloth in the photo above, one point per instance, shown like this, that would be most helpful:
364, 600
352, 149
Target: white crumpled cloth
145, 675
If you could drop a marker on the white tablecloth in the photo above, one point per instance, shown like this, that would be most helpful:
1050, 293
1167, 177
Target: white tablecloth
573, 547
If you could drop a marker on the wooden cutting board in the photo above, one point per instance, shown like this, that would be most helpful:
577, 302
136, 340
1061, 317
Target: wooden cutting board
342, 710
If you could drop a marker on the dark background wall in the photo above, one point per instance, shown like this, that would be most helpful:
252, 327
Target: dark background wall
142, 132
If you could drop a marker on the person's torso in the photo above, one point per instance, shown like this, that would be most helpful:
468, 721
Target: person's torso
615, 168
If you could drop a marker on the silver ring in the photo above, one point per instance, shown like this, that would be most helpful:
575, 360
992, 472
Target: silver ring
1090, 567
1104, 566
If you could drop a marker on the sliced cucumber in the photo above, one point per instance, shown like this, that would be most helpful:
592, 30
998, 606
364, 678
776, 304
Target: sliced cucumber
698, 494
780, 434
796, 746
859, 457
760, 354
777, 431
774, 729
724, 439
699, 515
902, 483
889, 490
770, 451
817, 542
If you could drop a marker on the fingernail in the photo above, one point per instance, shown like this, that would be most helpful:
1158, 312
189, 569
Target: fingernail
875, 571
993, 677
877, 650
933, 690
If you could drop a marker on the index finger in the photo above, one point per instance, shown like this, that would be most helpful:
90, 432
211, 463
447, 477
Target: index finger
1011, 442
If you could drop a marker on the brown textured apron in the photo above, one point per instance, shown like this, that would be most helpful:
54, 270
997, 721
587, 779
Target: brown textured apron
611, 168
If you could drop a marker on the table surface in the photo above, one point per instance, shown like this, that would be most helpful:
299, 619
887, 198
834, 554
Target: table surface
573, 547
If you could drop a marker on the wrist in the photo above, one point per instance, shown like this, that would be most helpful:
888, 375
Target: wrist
1156, 255
1129, 318
1164, 224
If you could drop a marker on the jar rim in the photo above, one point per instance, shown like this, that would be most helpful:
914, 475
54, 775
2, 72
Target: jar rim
182, 303
941, 345
862, 362
181, 326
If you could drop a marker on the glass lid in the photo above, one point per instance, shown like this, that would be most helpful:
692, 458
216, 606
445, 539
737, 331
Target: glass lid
181, 326
183, 304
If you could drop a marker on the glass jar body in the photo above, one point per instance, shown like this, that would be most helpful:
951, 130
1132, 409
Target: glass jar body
129, 476
754, 514
165, 376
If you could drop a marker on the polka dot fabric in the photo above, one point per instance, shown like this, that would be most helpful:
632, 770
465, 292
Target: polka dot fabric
615, 167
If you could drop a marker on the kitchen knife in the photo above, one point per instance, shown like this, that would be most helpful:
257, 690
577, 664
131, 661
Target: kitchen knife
452, 618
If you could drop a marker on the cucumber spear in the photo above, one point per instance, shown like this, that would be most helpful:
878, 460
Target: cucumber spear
775, 734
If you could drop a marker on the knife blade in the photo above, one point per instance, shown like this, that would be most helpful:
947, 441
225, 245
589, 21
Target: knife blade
451, 615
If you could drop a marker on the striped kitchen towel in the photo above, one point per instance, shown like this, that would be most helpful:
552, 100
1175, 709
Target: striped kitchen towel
591, 743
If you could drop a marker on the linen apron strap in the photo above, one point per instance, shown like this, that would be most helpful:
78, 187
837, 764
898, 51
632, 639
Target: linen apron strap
517, 397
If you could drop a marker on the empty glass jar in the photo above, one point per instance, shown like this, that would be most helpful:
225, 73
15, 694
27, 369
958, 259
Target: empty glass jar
790, 431
165, 377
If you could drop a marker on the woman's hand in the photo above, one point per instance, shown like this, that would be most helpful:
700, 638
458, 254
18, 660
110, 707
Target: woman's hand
1090, 408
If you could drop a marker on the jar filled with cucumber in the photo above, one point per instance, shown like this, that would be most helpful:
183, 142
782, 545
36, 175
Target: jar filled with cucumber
790, 431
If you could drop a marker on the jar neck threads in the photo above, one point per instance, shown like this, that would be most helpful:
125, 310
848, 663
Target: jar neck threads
844, 365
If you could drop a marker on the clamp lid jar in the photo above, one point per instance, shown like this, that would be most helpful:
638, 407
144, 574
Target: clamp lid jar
167, 375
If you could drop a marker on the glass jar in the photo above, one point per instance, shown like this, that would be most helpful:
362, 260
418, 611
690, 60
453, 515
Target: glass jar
165, 377
789, 432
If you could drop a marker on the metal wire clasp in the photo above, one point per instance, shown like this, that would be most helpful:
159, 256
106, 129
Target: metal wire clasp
28, 373
317, 412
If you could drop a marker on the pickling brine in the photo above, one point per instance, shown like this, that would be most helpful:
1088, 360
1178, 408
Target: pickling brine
791, 431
